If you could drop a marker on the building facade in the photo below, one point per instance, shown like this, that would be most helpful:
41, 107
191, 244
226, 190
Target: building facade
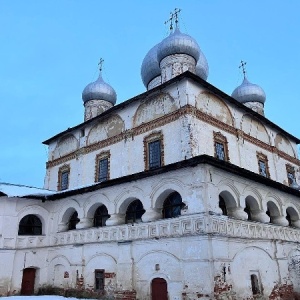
182, 192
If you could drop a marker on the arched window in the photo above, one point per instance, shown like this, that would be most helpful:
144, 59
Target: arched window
222, 205
73, 221
30, 225
172, 206
292, 216
134, 212
100, 216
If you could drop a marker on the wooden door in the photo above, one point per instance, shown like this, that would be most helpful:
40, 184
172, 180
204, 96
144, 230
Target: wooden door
159, 289
28, 282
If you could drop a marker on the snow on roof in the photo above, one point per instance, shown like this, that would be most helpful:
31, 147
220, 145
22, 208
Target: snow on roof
17, 190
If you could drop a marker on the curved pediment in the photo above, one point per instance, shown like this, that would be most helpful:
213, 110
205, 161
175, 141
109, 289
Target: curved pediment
255, 128
215, 107
284, 145
106, 129
66, 144
154, 108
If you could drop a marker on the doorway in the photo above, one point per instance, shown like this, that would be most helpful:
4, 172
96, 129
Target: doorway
159, 289
28, 280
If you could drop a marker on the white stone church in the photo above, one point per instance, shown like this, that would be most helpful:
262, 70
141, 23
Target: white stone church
182, 192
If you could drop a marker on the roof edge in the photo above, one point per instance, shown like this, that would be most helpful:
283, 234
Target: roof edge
192, 162
186, 74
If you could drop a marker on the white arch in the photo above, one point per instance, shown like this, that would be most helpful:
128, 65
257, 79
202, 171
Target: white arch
64, 211
96, 200
253, 192
155, 252
102, 254
164, 188
227, 185
127, 196
276, 200
38, 211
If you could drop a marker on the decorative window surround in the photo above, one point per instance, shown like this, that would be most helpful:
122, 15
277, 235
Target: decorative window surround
290, 171
102, 166
153, 143
168, 118
263, 167
221, 146
63, 178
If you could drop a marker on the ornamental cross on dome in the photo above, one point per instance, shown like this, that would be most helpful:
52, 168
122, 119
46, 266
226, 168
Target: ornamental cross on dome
243, 66
100, 64
173, 18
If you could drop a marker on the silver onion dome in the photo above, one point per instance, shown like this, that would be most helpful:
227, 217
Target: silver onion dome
202, 69
249, 92
150, 66
178, 43
99, 90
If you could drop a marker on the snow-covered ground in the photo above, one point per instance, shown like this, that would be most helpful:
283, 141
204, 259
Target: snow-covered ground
37, 298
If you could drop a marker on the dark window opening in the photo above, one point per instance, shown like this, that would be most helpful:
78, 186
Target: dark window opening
291, 178
154, 154
172, 206
288, 217
73, 221
222, 205
255, 285
220, 151
103, 169
30, 225
247, 210
100, 216
99, 280
64, 181
134, 212
262, 168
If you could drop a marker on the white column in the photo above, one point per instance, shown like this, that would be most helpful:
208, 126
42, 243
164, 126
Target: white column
151, 214
115, 219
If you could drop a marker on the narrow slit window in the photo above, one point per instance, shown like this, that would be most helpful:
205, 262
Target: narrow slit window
99, 280
254, 285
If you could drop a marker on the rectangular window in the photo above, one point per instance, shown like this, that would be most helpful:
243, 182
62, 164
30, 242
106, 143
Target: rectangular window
221, 150
154, 152
263, 168
102, 166
63, 178
99, 280
103, 169
290, 174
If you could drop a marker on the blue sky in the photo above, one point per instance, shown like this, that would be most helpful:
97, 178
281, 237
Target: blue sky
50, 51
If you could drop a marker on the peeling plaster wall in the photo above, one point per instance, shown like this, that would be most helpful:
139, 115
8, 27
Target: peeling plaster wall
200, 254
186, 136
